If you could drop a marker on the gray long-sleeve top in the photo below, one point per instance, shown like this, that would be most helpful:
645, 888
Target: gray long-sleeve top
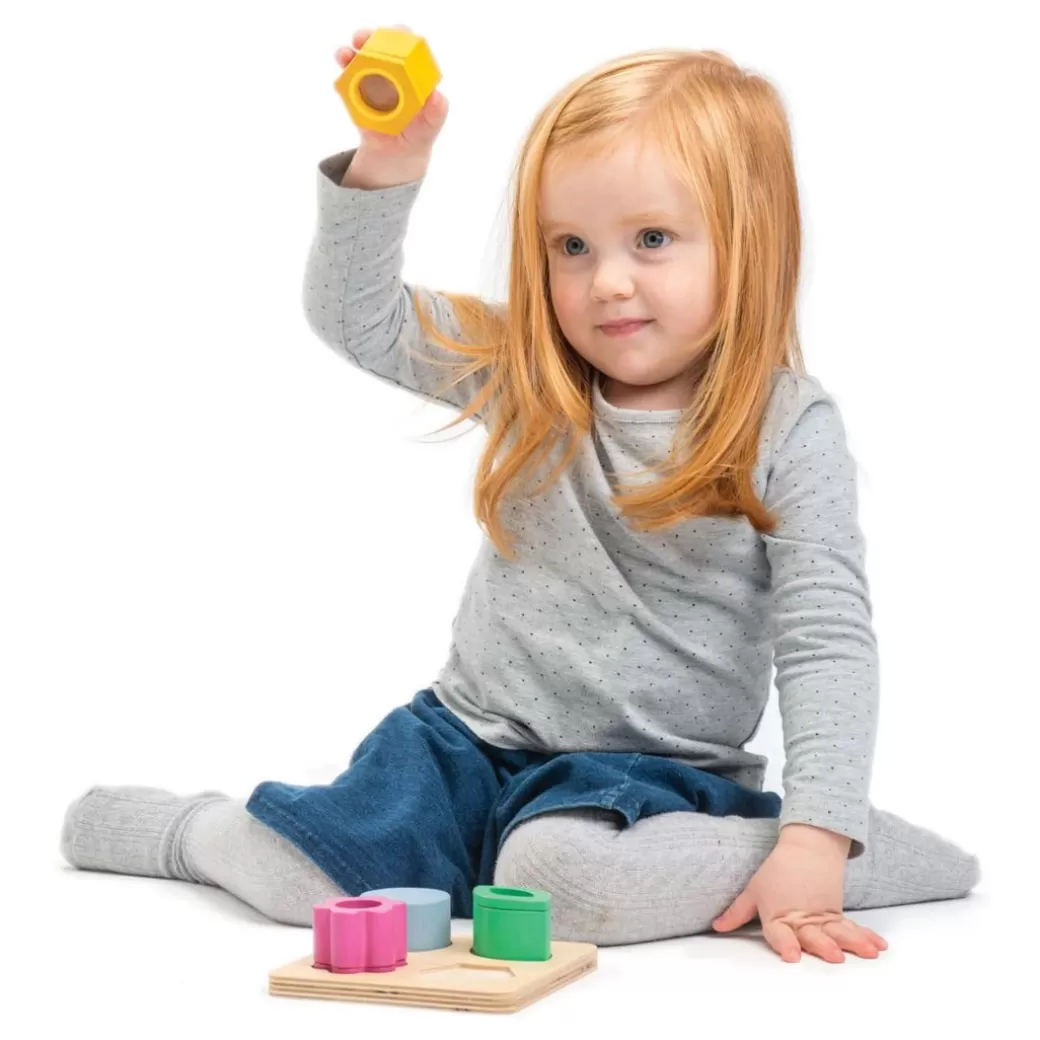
600, 637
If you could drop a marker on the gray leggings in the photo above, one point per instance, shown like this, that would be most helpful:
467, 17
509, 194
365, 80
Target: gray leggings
665, 876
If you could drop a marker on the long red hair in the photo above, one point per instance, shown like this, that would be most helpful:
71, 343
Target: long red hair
727, 132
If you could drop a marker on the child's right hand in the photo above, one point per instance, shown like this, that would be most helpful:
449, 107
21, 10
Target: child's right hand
384, 159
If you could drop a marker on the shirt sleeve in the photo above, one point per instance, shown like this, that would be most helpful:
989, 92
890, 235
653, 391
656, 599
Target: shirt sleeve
824, 645
356, 301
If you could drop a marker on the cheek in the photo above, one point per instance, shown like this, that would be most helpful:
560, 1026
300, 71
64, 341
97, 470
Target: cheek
567, 299
690, 289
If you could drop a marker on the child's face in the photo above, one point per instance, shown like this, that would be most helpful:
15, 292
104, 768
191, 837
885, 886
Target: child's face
626, 240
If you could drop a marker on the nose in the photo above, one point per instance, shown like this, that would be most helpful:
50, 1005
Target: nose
612, 281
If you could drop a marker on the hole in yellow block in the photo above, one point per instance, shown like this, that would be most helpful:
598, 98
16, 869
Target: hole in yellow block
378, 92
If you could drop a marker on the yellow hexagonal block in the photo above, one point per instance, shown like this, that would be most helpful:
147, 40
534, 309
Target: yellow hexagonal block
390, 62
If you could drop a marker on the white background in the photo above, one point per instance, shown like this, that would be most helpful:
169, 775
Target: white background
226, 554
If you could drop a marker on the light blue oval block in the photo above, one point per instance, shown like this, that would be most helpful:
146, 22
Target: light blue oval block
428, 914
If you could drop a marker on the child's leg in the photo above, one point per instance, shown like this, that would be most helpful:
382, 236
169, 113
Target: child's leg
410, 810
207, 838
674, 873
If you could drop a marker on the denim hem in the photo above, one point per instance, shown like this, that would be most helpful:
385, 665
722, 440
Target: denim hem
531, 812
309, 843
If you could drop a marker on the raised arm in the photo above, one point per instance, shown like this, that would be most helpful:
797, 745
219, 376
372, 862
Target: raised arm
355, 299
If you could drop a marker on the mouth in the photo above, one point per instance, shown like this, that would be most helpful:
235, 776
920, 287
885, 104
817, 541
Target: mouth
624, 327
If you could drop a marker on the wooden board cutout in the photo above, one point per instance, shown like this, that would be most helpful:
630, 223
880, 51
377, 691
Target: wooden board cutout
449, 978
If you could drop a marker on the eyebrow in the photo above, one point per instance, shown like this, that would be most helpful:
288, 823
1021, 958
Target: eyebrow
643, 217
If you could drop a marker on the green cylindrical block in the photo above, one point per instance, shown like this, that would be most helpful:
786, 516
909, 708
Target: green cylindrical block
512, 924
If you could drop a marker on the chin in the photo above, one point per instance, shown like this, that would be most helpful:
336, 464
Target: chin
634, 375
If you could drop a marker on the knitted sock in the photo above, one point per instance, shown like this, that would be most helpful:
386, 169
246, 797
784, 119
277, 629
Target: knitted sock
673, 874
205, 838
131, 830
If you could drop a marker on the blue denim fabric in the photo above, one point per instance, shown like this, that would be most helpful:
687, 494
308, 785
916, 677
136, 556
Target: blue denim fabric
426, 803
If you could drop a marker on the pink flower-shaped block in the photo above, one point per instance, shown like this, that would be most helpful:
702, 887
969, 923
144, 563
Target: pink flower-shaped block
352, 935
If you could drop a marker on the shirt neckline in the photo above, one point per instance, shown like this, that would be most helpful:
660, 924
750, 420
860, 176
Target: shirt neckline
662, 416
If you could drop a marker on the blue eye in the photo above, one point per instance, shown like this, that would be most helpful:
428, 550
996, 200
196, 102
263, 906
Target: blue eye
652, 238
656, 231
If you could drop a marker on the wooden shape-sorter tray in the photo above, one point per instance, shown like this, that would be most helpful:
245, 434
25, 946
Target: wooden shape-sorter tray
451, 977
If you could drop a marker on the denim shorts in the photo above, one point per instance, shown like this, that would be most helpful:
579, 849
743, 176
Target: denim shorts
426, 803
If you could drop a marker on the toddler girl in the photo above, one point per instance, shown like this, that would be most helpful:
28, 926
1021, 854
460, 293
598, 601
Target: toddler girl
696, 523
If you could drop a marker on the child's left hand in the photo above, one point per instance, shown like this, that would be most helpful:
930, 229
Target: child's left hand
797, 894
